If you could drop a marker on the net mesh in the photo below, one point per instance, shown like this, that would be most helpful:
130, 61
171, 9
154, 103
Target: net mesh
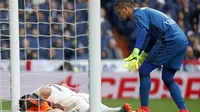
52, 33
4, 52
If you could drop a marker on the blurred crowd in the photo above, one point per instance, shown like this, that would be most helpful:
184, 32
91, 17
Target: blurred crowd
57, 29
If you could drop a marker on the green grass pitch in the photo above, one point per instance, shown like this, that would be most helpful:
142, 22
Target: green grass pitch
159, 105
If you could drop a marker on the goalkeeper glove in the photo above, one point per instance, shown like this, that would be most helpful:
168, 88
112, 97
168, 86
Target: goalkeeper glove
132, 60
136, 62
133, 55
132, 65
141, 58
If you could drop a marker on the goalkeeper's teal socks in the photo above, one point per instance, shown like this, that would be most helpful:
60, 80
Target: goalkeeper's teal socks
176, 95
168, 79
145, 82
145, 85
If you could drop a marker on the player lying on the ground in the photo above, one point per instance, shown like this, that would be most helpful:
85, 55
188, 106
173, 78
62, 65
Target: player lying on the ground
166, 46
68, 100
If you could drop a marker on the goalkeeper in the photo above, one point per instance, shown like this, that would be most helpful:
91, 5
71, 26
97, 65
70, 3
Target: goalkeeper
166, 46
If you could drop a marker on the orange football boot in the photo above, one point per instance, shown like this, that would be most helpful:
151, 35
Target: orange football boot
126, 108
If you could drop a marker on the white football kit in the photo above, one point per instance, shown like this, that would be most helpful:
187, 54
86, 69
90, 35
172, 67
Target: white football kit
70, 100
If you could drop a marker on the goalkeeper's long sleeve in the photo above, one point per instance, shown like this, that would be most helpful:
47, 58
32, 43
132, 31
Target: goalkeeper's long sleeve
141, 36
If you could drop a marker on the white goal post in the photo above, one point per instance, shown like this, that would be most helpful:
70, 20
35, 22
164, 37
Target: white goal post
14, 54
94, 56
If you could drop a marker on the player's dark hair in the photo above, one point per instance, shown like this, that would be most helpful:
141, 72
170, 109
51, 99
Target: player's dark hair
31, 100
127, 3
22, 101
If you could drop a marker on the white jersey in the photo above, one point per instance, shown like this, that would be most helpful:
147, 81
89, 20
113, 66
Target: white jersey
59, 93
70, 100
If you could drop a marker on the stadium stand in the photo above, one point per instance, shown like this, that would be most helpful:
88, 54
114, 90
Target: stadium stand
42, 29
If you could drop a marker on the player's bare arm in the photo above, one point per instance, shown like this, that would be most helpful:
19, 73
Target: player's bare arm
44, 93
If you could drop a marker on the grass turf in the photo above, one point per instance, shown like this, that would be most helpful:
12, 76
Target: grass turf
159, 105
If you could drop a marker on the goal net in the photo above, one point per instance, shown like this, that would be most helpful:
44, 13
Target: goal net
53, 38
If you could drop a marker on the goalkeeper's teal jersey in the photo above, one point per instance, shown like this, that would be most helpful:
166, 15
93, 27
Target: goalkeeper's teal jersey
171, 40
158, 24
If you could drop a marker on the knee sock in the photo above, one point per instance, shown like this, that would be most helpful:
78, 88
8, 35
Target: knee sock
145, 84
167, 77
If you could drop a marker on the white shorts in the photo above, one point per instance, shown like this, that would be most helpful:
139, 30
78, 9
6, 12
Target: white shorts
76, 103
